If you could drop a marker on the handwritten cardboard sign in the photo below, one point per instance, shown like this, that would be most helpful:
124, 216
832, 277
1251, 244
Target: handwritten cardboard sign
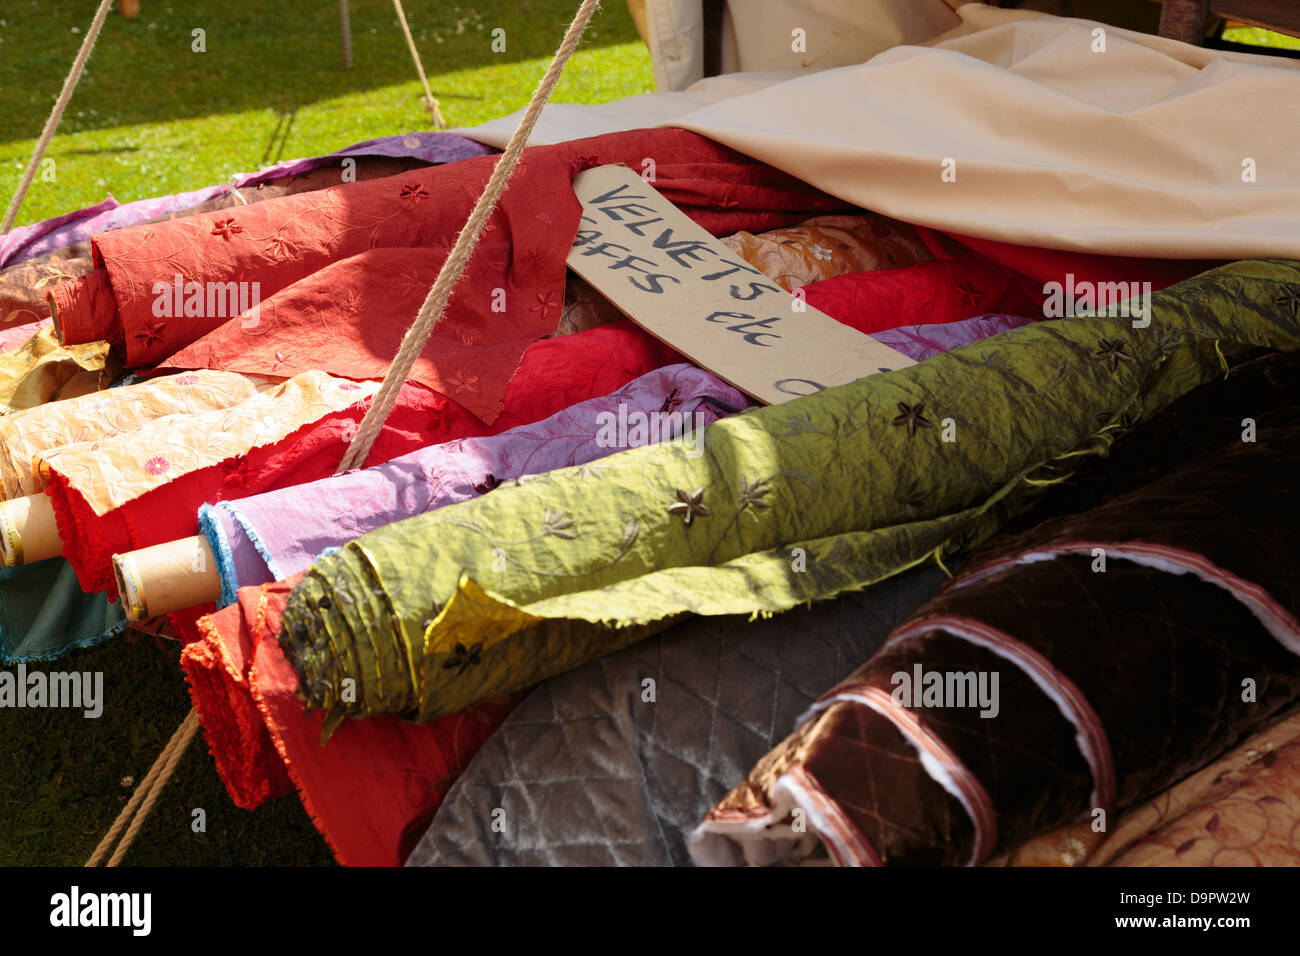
683, 286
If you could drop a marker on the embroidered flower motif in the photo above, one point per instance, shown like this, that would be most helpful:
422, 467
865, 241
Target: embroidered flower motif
411, 142
226, 228
558, 525
348, 386
672, 401
546, 302
466, 383
688, 506
187, 379
589, 471
462, 658
489, 483
1111, 353
415, 193
969, 294
911, 417
797, 426
752, 495
157, 465
727, 202
279, 247
1290, 298
151, 333
821, 253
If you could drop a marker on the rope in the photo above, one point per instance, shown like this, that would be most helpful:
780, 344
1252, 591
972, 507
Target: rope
345, 33
429, 101
431, 312
150, 788
147, 793
56, 114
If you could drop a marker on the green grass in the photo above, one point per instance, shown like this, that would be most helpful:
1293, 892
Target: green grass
151, 117
1254, 36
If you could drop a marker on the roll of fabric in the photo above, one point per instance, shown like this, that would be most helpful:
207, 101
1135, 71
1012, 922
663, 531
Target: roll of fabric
1240, 810
371, 790
1115, 651
271, 536
25, 284
411, 149
355, 261
36, 434
920, 342
933, 293
616, 762
773, 513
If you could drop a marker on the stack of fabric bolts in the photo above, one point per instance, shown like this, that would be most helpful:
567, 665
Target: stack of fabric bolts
654, 647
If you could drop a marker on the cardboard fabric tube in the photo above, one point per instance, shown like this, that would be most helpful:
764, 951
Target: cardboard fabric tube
166, 577
28, 531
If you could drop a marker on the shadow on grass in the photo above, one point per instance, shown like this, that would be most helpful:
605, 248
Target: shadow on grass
257, 54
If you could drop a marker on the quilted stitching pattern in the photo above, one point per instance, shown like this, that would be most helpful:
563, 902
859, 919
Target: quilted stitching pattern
588, 773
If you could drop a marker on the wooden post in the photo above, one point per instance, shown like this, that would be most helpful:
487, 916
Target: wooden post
1184, 20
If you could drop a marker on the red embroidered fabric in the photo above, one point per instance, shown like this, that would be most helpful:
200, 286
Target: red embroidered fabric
346, 268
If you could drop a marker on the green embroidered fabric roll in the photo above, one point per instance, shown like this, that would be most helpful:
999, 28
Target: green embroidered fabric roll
787, 504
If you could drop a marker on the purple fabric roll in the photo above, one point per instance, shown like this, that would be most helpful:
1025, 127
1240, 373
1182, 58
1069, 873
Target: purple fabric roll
919, 342
430, 147
271, 536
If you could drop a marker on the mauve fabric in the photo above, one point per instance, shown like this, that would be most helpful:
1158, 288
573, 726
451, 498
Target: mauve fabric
259, 539
28, 241
920, 342
431, 148
343, 271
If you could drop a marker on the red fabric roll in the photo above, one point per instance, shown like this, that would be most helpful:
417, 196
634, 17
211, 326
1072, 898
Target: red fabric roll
372, 789
1051, 265
945, 290
352, 263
